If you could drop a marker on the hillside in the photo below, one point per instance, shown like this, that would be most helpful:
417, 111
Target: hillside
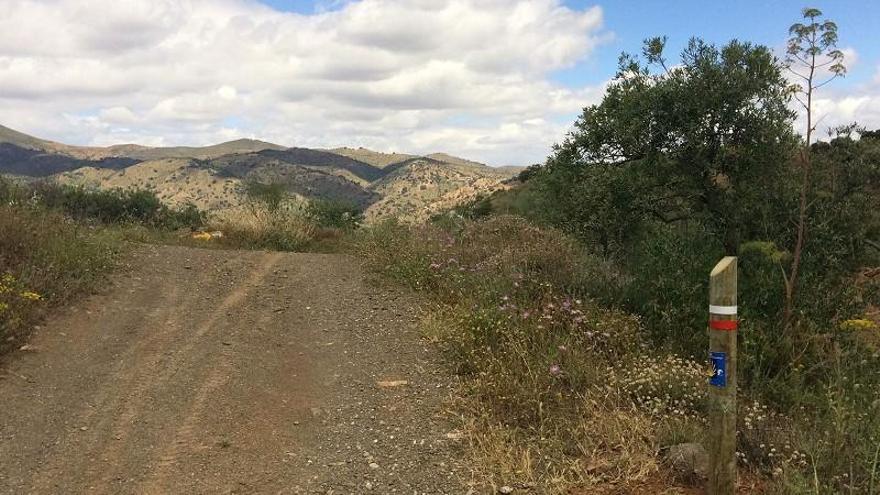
407, 186
374, 158
421, 187
21, 154
176, 181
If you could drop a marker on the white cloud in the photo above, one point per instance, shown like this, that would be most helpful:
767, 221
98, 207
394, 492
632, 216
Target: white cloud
834, 108
465, 76
840, 102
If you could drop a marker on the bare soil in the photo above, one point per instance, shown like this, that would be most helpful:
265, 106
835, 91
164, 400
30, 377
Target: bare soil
207, 371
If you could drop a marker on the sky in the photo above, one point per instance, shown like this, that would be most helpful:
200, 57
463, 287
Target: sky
497, 81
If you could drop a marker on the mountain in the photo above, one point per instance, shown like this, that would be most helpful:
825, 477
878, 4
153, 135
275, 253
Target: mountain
418, 188
374, 158
407, 186
22, 154
202, 153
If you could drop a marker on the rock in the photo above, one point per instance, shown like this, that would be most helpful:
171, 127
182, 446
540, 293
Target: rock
27, 347
505, 489
689, 460
455, 435
373, 465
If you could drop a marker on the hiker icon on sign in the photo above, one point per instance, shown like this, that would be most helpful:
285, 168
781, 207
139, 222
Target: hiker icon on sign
719, 375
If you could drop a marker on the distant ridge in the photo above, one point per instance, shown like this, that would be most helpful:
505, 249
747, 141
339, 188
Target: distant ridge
406, 186
20, 139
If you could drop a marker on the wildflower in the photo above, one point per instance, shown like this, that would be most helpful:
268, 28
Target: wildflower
555, 369
435, 266
562, 348
858, 324
31, 296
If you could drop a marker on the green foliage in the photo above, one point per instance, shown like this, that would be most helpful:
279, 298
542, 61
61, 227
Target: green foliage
334, 214
116, 206
529, 172
271, 195
510, 314
702, 140
45, 260
670, 285
814, 44
682, 164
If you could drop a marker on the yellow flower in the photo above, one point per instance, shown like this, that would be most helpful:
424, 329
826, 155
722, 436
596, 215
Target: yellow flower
858, 324
31, 296
4, 289
7, 279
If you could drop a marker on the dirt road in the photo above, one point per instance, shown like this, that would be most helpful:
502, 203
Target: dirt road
202, 371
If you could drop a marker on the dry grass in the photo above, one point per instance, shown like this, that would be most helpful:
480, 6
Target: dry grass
46, 260
564, 394
258, 227
551, 400
613, 445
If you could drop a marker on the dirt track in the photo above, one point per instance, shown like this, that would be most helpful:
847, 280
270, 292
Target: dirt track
201, 371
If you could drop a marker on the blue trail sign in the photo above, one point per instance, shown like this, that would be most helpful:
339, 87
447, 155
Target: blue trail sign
719, 369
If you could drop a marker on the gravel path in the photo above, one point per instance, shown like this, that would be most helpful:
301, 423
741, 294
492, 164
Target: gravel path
205, 371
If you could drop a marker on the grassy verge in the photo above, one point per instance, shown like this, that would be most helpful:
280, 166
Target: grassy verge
58, 243
565, 393
555, 401
46, 260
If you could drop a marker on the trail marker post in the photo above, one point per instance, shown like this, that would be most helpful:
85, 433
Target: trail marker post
722, 384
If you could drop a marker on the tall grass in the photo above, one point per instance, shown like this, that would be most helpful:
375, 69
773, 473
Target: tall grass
46, 260
258, 227
552, 400
562, 391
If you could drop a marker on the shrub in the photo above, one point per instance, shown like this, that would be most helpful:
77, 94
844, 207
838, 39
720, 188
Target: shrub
116, 206
512, 318
45, 259
334, 214
272, 196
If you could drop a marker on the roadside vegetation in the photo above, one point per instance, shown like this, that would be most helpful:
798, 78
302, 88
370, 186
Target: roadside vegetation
274, 219
46, 259
575, 303
59, 242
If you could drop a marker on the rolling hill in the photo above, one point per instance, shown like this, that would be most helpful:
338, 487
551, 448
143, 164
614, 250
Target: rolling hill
406, 186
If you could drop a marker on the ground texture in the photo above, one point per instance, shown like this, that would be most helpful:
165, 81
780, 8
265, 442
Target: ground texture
207, 371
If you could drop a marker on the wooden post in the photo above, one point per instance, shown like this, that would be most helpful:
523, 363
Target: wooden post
722, 385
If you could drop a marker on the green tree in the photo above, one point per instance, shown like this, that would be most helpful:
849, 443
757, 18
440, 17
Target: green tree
701, 141
271, 195
813, 57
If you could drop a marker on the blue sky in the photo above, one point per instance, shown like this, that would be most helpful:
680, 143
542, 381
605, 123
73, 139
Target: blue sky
497, 81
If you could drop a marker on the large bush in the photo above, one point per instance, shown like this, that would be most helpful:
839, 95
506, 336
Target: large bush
116, 206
